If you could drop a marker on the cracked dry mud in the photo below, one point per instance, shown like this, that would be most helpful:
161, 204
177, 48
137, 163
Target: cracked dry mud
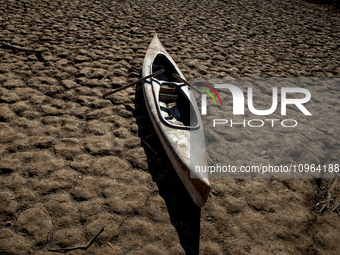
72, 162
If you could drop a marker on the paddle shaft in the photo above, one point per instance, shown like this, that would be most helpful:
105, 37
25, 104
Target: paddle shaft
186, 83
135, 82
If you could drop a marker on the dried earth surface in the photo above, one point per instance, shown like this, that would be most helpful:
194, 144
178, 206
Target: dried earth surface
72, 162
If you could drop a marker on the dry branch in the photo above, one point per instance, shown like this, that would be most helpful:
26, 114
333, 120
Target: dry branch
8, 46
83, 247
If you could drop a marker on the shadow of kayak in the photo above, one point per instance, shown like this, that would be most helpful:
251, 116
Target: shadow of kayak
184, 214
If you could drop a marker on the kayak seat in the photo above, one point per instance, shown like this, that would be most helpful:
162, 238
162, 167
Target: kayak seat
168, 92
167, 97
168, 87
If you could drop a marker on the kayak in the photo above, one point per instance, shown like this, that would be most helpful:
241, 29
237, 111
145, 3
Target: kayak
175, 116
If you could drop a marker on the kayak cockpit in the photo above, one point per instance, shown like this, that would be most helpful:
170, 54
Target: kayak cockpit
172, 98
174, 106
162, 62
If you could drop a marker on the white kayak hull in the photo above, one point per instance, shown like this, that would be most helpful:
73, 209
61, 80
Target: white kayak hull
172, 124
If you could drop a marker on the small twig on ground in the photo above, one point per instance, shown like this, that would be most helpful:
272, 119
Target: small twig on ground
85, 232
329, 198
148, 136
336, 208
319, 203
109, 244
113, 248
136, 68
121, 247
105, 76
6, 45
149, 146
83, 247
323, 208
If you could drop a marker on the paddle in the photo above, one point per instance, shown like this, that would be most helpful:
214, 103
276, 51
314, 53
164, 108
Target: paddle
186, 83
133, 83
